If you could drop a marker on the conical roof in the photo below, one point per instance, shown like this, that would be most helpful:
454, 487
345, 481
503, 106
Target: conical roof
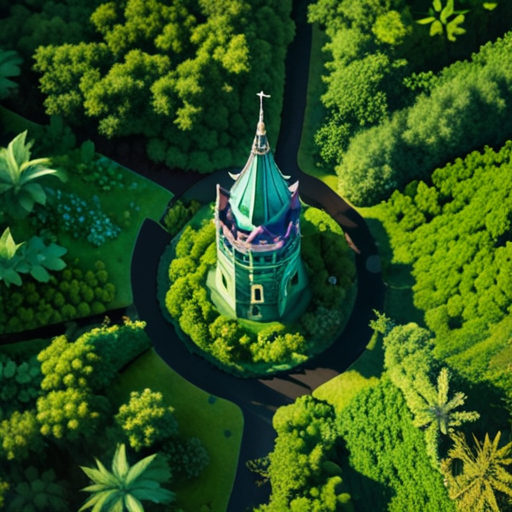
260, 195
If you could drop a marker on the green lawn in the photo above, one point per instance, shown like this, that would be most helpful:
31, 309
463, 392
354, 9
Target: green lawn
364, 372
314, 111
217, 422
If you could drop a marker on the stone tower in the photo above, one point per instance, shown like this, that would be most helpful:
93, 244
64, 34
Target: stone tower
259, 274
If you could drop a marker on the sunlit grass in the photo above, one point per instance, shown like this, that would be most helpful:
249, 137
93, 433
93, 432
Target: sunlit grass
217, 422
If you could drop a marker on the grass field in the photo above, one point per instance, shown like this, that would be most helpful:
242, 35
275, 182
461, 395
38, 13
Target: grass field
217, 422
314, 111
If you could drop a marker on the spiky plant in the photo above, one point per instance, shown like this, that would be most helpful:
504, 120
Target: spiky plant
435, 409
123, 488
18, 174
483, 473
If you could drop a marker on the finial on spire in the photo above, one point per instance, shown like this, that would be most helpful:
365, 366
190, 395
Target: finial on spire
261, 124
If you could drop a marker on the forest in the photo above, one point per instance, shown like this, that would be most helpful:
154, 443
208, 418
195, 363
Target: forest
109, 110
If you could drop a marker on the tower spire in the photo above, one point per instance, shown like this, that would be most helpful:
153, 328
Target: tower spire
261, 124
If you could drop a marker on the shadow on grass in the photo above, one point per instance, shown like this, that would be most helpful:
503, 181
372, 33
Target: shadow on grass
366, 494
397, 277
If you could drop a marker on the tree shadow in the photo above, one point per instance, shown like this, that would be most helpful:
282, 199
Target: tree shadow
397, 277
366, 494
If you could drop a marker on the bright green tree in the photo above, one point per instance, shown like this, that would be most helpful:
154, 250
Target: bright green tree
146, 419
68, 365
19, 436
71, 414
123, 488
18, 175
484, 479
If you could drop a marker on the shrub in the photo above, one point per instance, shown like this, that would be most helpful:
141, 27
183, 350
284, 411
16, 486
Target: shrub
414, 141
146, 420
38, 304
300, 468
187, 458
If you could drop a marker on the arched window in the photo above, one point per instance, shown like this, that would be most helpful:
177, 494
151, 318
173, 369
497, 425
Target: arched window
257, 293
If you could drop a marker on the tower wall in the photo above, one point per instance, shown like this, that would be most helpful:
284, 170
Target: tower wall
259, 286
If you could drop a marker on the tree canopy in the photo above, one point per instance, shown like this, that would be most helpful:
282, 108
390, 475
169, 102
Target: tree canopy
180, 73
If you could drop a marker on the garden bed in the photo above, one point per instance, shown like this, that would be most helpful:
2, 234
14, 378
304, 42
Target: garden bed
95, 215
238, 346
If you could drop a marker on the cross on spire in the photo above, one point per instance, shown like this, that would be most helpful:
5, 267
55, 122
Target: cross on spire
262, 95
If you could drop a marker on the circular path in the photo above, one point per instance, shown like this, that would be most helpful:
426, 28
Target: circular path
259, 398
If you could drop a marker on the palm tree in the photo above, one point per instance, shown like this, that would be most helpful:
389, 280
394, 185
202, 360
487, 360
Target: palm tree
9, 66
18, 175
123, 489
434, 413
433, 409
483, 473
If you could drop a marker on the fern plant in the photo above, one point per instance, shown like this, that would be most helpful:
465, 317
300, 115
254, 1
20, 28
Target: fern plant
444, 18
33, 257
125, 487
19, 174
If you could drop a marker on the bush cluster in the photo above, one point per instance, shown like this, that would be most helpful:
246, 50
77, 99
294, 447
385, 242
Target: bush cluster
178, 85
301, 467
179, 214
72, 405
456, 235
76, 294
452, 119
385, 447
227, 342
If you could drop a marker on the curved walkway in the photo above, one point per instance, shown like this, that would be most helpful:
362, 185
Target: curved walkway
258, 398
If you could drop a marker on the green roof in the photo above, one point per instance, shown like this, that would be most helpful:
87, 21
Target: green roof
260, 195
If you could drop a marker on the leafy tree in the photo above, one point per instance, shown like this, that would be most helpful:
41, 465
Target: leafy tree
174, 73
301, 460
18, 175
484, 480
125, 487
9, 66
38, 492
146, 420
417, 139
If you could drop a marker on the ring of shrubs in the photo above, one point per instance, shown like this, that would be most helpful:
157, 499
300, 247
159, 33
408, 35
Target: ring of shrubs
229, 343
